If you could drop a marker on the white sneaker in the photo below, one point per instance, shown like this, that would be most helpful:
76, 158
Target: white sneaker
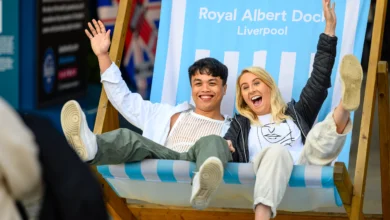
205, 182
77, 133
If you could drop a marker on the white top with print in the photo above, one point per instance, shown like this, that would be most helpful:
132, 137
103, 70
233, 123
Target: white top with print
286, 134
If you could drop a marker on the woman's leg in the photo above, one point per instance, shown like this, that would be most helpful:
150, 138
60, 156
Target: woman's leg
262, 212
273, 167
341, 118
326, 139
351, 75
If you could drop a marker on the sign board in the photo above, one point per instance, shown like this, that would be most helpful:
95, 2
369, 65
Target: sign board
62, 50
9, 51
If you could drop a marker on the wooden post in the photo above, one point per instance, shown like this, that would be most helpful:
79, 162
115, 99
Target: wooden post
384, 131
368, 111
344, 186
107, 116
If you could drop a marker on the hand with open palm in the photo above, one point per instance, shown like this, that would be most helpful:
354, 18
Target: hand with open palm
330, 17
100, 38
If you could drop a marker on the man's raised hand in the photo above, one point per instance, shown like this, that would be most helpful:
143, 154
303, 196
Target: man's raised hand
100, 38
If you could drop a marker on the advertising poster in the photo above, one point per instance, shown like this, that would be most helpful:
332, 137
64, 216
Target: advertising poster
62, 50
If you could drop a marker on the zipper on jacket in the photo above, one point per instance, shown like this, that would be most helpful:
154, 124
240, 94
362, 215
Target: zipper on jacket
298, 122
242, 136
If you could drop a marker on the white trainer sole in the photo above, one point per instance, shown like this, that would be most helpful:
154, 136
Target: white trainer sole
210, 177
71, 125
351, 75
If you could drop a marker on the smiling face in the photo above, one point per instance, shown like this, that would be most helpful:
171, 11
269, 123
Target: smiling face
207, 92
255, 93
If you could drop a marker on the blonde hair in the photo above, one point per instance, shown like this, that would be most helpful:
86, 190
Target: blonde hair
278, 106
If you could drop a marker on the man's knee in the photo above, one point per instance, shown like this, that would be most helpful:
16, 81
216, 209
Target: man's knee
212, 142
126, 131
125, 134
211, 139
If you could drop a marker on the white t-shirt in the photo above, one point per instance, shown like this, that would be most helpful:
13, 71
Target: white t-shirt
285, 133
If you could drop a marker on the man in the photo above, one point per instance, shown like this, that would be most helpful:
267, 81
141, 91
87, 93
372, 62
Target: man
169, 132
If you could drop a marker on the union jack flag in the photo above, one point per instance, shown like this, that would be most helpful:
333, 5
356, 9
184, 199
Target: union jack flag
141, 39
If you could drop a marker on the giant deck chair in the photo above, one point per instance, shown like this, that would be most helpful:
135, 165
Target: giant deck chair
190, 30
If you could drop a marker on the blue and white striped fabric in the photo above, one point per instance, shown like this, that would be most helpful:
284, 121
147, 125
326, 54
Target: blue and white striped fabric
280, 35
177, 171
168, 182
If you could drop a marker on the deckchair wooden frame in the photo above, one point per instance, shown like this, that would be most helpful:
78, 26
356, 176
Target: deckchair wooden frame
352, 195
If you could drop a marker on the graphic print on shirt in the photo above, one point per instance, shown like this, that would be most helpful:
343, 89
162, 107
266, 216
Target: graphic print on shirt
277, 133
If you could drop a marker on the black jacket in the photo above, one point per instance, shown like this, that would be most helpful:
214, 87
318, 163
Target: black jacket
305, 111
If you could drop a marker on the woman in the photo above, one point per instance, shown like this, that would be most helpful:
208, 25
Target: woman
274, 135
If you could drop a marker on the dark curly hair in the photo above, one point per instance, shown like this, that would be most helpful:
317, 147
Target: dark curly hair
209, 66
